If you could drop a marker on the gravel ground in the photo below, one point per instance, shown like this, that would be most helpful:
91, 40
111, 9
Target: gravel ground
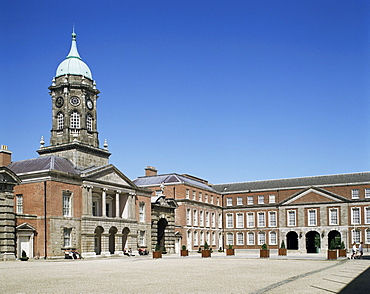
173, 274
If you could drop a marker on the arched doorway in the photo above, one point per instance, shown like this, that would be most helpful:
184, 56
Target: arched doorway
313, 242
334, 239
292, 241
112, 239
125, 233
97, 239
161, 226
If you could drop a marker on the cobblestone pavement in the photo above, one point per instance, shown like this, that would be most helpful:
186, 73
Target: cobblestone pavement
243, 273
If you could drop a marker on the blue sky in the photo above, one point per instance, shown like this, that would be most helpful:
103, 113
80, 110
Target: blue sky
228, 91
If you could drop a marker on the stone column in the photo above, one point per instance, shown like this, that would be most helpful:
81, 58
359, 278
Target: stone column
87, 200
104, 203
117, 203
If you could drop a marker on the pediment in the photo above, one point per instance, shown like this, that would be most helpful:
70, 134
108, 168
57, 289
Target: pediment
110, 175
25, 227
313, 195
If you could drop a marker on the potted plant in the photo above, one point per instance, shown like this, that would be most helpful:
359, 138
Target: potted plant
157, 253
230, 250
24, 256
206, 252
332, 251
342, 252
183, 251
220, 249
282, 249
264, 251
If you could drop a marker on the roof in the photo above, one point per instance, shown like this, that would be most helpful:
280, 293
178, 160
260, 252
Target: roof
42, 163
170, 179
73, 63
352, 178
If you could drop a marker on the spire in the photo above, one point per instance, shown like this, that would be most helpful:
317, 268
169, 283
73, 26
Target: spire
73, 53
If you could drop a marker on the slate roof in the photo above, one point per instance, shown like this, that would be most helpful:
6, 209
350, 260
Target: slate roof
339, 179
170, 179
41, 164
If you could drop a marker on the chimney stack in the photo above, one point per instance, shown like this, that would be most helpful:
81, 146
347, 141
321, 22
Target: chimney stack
150, 171
5, 156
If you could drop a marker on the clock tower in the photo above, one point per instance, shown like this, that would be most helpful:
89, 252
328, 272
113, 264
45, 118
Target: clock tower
74, 98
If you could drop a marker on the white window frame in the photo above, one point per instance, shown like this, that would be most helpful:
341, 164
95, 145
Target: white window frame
239, 220
367, 215
367, 240
292, 221
201, 238
89, 122
200, 194
213, 238
312, 217
201, 218
250, 220
195, 217
207, 219
67, 237
333, 216
356, 236
230, 238
229, 201
213, 217
75, 122
211, 199
355, 193
67, 204
261, 220
261, 199
19, 203
194, 195
60, 121
272, 219
272, 198
187, 194
188, 216
195, 235
353, 216
229, 220
220, 220
239, 238
272, 238
367, 192
239, 200
206, 198
141, 238
251, 238
261, 238
250, 200
142, 212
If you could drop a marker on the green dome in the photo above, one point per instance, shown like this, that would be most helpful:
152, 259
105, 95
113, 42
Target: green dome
73, 63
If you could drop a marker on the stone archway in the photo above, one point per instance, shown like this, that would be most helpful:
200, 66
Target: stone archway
313, 242
292, 240
161, 226
112, 239
125, 233
97, 240
334, 239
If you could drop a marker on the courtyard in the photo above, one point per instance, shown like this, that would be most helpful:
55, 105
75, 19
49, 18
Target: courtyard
243, 273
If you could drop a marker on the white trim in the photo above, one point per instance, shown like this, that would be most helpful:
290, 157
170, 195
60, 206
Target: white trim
311, 191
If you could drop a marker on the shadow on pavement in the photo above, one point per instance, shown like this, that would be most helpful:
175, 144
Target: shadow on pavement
359, 285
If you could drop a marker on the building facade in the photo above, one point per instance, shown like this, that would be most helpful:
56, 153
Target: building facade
71, 197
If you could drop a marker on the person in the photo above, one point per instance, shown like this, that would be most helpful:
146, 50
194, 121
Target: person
125, 252
360, 250
130, 252
354, 250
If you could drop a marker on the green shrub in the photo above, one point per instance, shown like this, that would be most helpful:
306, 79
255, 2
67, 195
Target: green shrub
230, 246
183, 247
264, 247
282, 246
206, 246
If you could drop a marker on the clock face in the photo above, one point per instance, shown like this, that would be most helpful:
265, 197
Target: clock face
75, 101
89, 104
59, 102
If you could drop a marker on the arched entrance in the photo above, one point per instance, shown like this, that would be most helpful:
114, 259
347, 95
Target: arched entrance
125, 233
292, 241
161, 226
313, 242
97, 240
334, 239
112, 239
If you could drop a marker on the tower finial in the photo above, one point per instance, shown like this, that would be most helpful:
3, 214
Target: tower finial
73, 32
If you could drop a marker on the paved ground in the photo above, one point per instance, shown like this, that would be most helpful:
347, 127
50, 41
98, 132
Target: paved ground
243, 273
